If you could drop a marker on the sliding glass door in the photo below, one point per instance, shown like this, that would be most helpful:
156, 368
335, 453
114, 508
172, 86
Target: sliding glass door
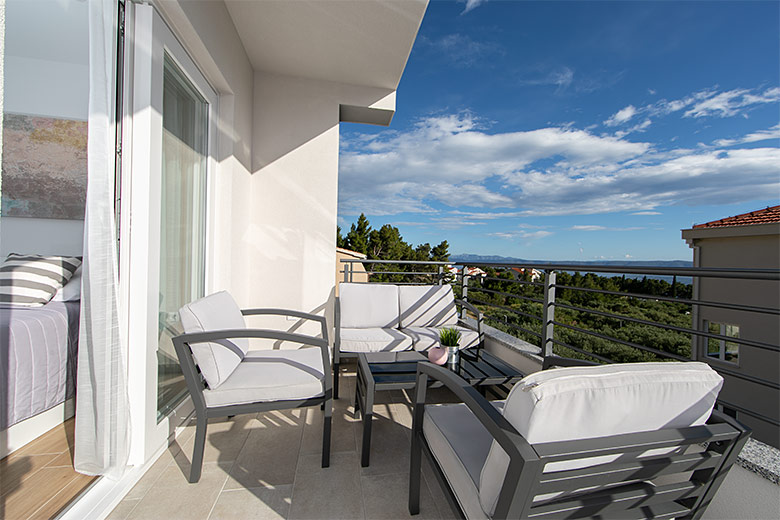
185, 118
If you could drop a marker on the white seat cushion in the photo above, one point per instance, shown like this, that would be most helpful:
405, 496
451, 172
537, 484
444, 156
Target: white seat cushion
374, 340
271, 375
218, 311
586, 402
427, 306
365, 305
460, 445
428, 337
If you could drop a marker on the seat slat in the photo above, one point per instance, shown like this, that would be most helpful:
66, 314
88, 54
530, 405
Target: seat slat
641, 469
617, 500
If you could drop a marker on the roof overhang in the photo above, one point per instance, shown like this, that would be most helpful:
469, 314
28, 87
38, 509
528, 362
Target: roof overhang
363, 43
690, 235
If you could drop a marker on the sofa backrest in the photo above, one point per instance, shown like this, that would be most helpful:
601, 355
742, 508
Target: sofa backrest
217, 311
368, 305
585, 402
427, 306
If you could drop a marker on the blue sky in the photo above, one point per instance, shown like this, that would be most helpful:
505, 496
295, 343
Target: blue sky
574, 130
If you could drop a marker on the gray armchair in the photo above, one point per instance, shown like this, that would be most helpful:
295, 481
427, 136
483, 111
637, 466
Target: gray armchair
225, 378
546, 452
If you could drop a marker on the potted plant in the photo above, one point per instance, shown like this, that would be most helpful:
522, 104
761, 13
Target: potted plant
450, 340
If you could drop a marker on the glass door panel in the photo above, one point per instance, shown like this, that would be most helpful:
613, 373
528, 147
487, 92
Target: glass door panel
182, 220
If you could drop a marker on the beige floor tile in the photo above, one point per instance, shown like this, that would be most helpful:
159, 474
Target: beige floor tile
387, 497
173, 498
329, 493
389, 447
153, 474
123, 509
271, 450
253, 504
224, 439
342, 430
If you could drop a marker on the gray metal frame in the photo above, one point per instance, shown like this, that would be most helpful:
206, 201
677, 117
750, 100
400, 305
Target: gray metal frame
338, 355
196, 384
705, 471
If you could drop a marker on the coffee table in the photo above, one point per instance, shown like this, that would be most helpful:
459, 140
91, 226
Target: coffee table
398, 371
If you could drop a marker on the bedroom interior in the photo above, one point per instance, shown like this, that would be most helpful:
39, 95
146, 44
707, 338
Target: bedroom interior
44, 163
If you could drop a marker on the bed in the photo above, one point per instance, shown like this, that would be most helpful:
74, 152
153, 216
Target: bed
38, 359
39, 333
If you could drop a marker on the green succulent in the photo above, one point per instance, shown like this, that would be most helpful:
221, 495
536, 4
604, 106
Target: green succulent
449, 337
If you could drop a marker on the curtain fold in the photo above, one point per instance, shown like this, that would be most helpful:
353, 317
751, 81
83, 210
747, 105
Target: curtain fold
102, 409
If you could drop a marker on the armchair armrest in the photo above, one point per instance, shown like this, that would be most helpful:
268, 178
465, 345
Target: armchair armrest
521, 454
290, 312
182, 344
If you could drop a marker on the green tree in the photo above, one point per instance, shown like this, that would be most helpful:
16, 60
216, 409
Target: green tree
357, 237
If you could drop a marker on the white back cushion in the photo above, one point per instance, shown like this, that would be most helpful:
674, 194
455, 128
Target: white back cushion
217, 311
365, 305
427, 306
585, 402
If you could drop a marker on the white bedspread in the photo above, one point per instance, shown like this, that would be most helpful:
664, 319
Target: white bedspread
37, 359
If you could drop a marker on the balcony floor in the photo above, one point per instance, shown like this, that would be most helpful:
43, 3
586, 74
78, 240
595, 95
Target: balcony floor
267, 465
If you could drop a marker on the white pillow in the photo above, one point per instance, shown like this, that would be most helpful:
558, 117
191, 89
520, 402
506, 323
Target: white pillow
217, 311
427, 306
368, 305
71, 291
564, 404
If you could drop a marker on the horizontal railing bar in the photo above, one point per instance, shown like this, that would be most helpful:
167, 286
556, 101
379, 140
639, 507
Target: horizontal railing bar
738, 375
622, 342
494, 279
581, 351
509, 295
741, 341
703, 303
508, 309
434, 273
415, 262
757, 415
511, 325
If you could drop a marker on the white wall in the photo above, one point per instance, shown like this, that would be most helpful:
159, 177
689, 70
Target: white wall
46, 74
291, 233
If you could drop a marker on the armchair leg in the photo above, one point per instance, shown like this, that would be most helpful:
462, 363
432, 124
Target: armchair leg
415, 468
326, 433
200, 444
336, 371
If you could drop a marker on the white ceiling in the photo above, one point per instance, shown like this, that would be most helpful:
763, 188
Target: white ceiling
361, 42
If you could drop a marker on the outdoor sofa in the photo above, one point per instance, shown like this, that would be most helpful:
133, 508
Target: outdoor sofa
393, 318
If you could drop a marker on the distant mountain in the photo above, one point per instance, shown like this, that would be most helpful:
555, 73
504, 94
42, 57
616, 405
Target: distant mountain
466, 258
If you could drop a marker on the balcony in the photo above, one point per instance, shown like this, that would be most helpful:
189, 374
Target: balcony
267, 465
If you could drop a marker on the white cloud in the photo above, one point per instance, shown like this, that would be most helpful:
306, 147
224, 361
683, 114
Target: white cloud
462, 50
621, 116
451, 160
587, 228
525, 235
647, 213
561, 77
761, 135
471, 5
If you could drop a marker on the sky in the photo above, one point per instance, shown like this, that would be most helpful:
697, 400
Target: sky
574, 130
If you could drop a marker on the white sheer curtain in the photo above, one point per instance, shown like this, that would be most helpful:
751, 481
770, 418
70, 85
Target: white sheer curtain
102, 415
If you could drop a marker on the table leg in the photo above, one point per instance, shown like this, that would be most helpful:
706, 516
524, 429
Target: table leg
368, 413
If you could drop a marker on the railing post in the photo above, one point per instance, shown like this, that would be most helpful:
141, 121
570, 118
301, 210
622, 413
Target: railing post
548, 314
441, 274
464, 291
347, 272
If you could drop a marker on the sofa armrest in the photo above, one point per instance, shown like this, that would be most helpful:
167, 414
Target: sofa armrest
476, 311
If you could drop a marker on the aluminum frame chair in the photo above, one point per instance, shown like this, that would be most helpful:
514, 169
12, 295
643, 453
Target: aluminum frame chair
196, 383
631, 496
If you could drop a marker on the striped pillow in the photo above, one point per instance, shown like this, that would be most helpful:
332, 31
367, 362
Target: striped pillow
32, 280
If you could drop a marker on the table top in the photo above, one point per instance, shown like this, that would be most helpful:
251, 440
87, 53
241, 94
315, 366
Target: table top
477, 367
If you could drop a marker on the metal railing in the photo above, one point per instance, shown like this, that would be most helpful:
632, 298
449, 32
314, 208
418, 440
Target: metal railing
508, 303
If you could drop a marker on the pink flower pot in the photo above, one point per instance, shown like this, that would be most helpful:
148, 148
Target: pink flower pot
437, 355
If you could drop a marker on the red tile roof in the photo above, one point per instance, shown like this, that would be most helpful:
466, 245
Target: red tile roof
761, 216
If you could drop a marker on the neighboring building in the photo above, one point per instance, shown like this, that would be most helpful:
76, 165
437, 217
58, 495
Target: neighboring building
535, 274
357, 269
750, 240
